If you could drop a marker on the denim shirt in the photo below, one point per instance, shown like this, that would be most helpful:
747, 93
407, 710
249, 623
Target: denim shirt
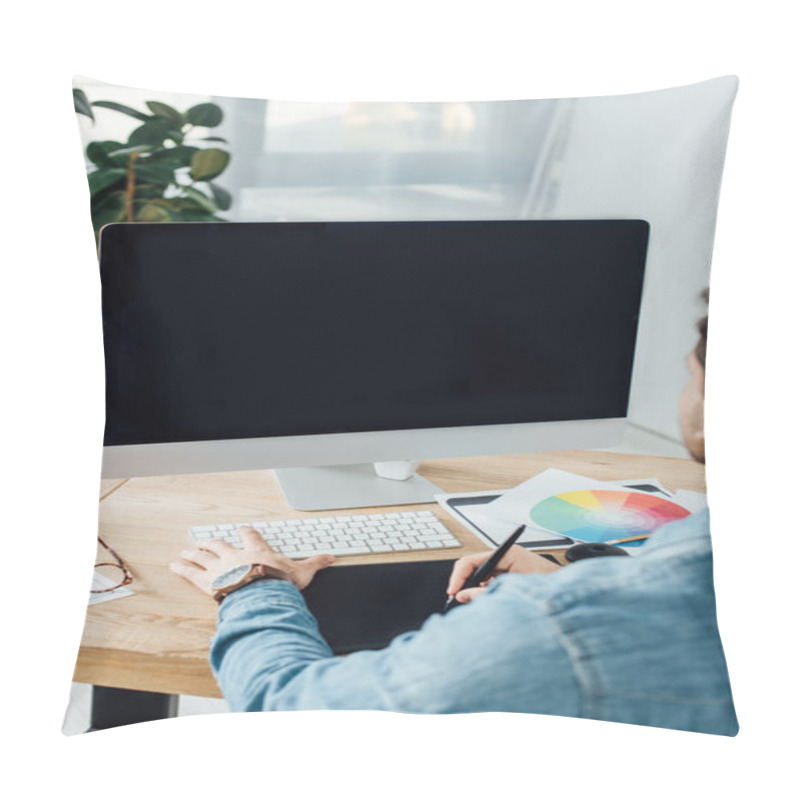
624, 639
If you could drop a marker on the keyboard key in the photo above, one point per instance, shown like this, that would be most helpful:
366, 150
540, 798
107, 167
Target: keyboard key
349, 551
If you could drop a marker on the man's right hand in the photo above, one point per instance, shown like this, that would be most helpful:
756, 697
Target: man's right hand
517, 559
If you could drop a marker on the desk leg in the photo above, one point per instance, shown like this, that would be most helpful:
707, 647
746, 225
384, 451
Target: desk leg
112, 708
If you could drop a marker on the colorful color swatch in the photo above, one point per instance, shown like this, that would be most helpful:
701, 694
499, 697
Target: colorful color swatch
597, 515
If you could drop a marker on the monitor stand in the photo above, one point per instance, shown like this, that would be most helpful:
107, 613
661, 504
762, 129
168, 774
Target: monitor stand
351, 486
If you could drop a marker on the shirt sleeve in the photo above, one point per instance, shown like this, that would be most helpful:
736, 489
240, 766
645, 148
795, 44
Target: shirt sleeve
268, 654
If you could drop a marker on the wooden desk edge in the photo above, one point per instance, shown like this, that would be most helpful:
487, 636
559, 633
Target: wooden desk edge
127, 669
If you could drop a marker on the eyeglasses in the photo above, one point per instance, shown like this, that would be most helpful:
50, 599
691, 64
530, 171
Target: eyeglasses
116, 571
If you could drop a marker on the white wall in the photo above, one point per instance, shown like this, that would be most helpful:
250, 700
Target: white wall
656, 156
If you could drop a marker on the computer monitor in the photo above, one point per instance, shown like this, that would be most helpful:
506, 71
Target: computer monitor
320, 348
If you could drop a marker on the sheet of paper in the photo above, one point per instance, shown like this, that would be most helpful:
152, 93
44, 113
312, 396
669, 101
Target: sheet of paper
490, 530
515, 505
102, 582
691, 501
556, 502
492, 521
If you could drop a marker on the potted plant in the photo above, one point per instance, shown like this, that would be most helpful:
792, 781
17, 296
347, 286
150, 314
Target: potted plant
164, 172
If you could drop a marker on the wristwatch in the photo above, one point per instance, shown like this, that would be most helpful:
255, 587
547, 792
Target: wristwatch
241, 575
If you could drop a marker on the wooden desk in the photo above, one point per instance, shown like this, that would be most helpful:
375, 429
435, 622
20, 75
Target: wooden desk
157, 640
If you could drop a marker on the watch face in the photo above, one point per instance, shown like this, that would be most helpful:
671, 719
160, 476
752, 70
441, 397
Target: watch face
231, 576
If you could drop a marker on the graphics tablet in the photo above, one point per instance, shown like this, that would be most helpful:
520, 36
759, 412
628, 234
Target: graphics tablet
363, 607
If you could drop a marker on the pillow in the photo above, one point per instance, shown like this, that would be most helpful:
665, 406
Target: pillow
463, 180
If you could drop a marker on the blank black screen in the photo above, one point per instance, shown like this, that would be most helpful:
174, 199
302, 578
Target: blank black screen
238, 330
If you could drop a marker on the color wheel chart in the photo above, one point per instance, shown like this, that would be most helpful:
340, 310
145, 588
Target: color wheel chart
596, 515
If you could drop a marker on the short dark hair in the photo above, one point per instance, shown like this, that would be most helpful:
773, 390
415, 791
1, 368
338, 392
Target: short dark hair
702, 329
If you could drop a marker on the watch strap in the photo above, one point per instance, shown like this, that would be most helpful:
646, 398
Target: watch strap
257, 572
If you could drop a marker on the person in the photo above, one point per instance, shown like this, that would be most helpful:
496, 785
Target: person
630, 640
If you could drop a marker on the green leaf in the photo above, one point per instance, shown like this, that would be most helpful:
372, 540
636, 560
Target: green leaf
105, 154
180, 155
175, 206
206, 203
98, 201
110, 209
207, 164
131, 112
166, 112
126, 151
107, 199
82, 104
153, 212
103, 178
205, 115
159, 173
152, 132
222, 197
144, 192
213, 139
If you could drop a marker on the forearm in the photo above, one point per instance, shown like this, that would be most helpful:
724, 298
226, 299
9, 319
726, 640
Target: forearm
268, 655
265, 637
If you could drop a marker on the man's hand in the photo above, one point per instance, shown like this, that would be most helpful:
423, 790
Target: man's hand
517, 559
212, 558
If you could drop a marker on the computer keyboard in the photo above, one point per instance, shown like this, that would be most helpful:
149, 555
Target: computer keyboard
342, 536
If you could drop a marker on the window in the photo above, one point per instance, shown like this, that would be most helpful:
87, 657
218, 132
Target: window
340, 161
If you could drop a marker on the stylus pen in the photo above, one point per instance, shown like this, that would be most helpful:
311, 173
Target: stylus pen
485, 569
639, 538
